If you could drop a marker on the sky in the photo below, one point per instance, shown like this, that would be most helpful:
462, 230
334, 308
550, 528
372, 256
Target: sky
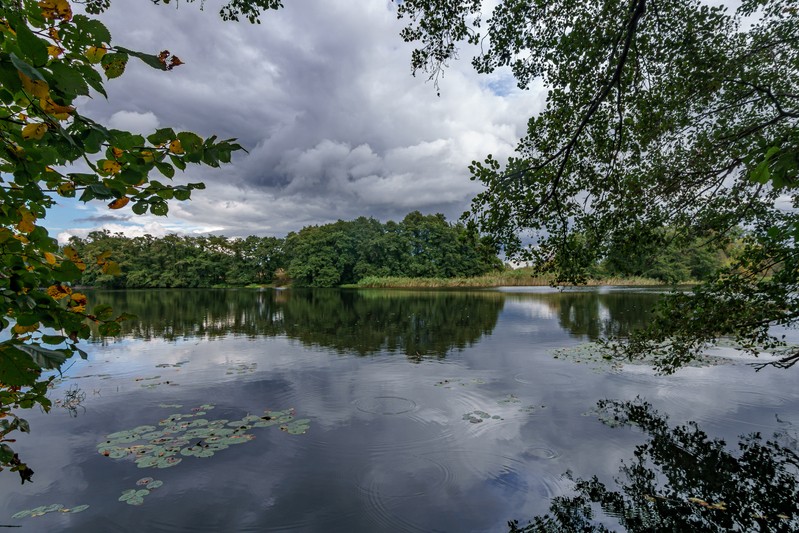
322, 96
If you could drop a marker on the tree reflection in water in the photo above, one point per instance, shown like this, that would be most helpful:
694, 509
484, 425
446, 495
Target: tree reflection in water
682, 480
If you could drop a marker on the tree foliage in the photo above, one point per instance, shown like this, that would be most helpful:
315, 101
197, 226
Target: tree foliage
659, 113
317, 256
49, 58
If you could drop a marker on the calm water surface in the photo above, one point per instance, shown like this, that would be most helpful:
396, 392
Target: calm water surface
427, 411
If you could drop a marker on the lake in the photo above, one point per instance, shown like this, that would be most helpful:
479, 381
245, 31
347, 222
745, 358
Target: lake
371, 410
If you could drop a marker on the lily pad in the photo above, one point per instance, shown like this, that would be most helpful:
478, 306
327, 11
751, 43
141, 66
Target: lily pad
126, 495
79, 508
22, 514
144, 481
154, 484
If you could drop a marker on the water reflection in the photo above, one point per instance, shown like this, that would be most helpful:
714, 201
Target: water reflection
415, 323
682, 480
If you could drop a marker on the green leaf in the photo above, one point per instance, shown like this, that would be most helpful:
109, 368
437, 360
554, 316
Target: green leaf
16, 367
110, 329
102, 312
34, 48
25, 68
68, 79
159, 208
148, 59
53, 339
114, 64
166, 169
44, 357
162, 136
140, 207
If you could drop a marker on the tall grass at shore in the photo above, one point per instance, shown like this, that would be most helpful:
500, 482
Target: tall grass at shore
522, 277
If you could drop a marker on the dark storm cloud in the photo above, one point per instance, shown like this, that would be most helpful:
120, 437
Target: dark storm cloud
321, 96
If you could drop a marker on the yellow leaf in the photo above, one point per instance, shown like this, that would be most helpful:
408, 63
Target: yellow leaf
50, 258
34, 131
65, 189
56, 9
25, 329
111, 167
117, 152
119, 203
57, 292
52, 31
37, 88
73, 256
147, 155
55, 109
95, 53
26, 225
175, 147
54, 51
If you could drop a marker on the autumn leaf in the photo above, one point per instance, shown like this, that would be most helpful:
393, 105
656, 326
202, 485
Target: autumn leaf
34, 131
66, 189
175, 147
54, 51
119, 203
117, 152
111, 167
56, 9
73, 256
37, 88
50, 258
19, 330
58, 292
95, 53
57, 110
26, 225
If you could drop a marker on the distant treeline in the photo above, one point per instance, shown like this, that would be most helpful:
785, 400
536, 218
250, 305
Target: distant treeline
420, 246
317, 256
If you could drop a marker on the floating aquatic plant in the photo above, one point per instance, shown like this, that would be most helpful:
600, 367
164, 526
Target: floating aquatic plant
449, 383
475, 417
181, 435
242, 368
170, 405
509, 399
136, 496
45, 509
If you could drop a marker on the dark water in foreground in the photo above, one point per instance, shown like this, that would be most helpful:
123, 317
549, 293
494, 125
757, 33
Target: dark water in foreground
426, 411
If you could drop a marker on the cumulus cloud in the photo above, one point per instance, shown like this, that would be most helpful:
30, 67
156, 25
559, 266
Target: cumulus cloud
135, 122
322, 97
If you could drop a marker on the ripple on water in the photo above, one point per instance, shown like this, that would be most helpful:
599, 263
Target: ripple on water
391, 488
397, 491
385, 405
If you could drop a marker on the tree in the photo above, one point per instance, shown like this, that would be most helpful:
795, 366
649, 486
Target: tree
659, 113
49, 57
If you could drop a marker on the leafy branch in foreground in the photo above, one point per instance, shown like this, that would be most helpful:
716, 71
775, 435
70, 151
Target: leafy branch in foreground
49, 57
660, 114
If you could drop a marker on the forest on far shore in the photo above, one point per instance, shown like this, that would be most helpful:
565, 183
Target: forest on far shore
346, 252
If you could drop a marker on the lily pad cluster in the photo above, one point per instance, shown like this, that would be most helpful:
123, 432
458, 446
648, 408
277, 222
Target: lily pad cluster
530, 409
242, 368
597, 356
475, 417
170, 405
136, 496
44, 509
509, 399
171, 365
183, 435
450, 383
